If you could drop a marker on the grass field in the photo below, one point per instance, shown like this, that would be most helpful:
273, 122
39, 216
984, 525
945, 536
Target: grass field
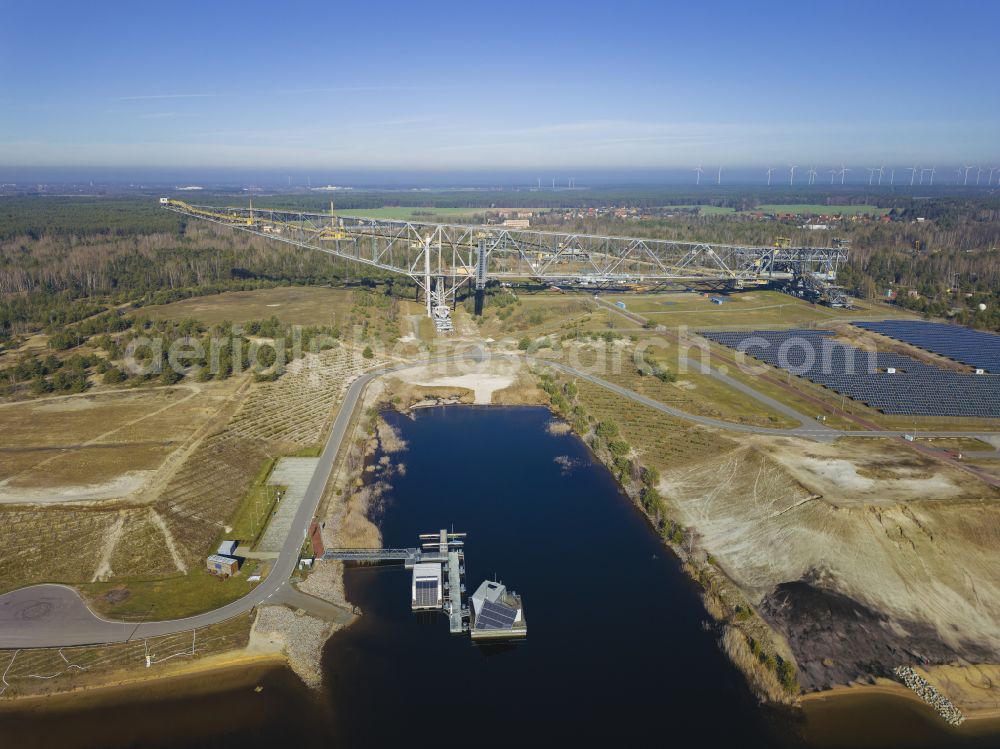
143, 545
705, 210
74, 445
536, 314
168, 597
958, 444
662, 442
251, 518
742, 309
409, 213
66, 452
45, 670
294, 305
692, 392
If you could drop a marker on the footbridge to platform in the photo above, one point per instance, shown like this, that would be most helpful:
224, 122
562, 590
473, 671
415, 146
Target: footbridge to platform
408, 557
444, 549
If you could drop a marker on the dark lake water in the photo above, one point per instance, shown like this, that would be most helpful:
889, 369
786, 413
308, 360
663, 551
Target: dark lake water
617, 650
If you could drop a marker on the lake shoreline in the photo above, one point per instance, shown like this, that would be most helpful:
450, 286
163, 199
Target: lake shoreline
228, 669
237, 668
887, 687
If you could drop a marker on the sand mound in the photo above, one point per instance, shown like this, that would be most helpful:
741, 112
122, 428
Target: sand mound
854, 576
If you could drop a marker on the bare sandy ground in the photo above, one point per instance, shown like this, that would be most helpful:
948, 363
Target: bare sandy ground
864, 472
483, 385
861, 557
484, 381
120, 486
974, 688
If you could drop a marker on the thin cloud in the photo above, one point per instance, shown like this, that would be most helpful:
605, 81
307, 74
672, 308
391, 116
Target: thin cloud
144, 97
163, 115
355, 89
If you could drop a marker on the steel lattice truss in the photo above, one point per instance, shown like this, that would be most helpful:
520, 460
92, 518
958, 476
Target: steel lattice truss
450, 252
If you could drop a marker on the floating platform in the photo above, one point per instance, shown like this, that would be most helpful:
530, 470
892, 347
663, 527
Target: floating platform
497, 613
427, 592
438, 584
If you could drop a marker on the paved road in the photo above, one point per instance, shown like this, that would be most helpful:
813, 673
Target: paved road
805, 429
55, 615
815, 430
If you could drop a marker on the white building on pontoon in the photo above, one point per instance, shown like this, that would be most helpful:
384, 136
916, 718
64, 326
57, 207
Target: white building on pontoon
426, 592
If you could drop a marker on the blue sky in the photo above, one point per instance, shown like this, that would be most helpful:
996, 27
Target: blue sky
499, 86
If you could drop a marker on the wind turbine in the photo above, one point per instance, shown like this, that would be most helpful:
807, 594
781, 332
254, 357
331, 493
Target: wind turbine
892, 177
881, 171
933, 169
958, 175
769, 170
698, 171
791, 175
978, 175
812, 175
718, 180
913, 173
833, 173
990, 180
967, 168
843, 172
871, 175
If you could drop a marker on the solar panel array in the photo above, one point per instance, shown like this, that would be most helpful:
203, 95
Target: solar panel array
495, 616
427, 593
913, 389
972, 347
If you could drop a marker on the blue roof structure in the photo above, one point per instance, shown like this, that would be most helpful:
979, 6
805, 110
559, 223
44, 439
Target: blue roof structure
888, 382
973, 347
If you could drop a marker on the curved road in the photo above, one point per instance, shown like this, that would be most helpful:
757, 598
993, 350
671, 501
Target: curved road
56, 616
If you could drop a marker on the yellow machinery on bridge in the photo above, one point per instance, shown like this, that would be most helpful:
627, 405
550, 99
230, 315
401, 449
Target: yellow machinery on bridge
268, 225
224, 217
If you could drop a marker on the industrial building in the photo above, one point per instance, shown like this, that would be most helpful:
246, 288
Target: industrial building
224, 561
223, 566
227, 548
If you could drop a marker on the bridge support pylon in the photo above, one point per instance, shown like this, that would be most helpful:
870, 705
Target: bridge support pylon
480, 277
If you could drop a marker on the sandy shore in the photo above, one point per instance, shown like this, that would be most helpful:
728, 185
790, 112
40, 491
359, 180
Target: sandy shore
207, 675
894, 689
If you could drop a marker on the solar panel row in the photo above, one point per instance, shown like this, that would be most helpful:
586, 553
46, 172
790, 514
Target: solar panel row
495, 616
427, 593
972, 347
889, 382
